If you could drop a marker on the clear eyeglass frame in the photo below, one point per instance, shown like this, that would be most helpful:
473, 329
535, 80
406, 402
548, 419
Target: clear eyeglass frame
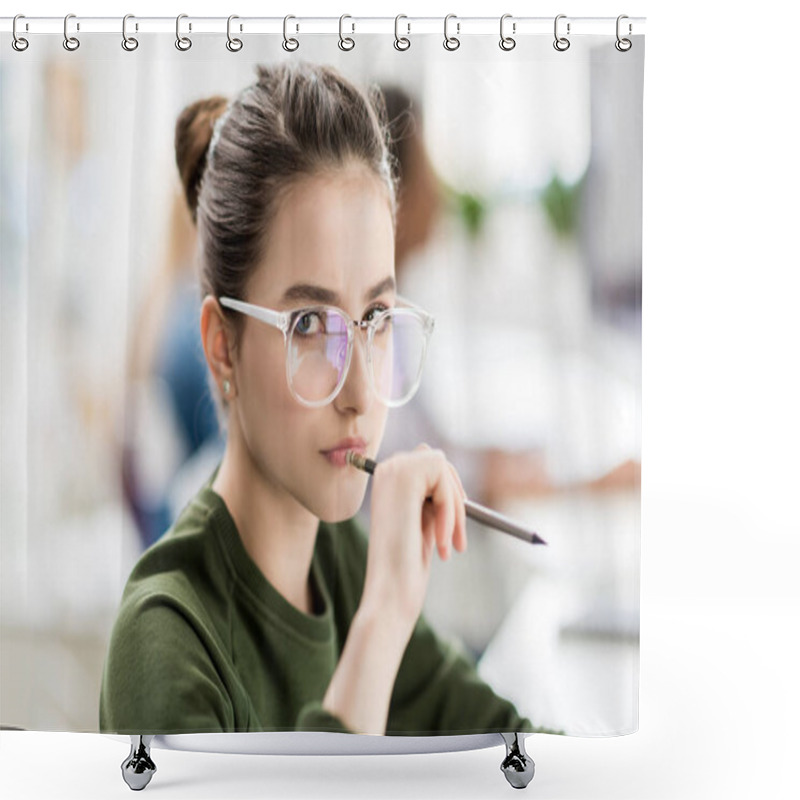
285, 321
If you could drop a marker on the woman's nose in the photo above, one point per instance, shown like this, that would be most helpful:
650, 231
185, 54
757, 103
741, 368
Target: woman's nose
356, 393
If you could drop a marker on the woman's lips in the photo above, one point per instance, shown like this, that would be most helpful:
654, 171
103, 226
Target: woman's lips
336, 456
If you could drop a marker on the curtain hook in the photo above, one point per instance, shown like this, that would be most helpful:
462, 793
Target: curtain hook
183, 43
18, 43
506, 42
623, 45
561, 43
289, 44
129, 43
401, 43
234, 45
70, 42
345, 42
451, 42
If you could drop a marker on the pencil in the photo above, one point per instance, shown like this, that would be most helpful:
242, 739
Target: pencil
473, 510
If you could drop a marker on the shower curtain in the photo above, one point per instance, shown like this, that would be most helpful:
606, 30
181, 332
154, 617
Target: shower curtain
518, 230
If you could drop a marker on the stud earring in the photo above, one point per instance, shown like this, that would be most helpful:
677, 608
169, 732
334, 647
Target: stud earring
226, 386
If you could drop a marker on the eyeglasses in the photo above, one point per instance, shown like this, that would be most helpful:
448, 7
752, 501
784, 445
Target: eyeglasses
319, 348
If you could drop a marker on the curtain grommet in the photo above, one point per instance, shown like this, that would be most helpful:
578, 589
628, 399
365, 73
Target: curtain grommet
19, 43
129, 43
401, 43
346, 43
183, 43
561, 43
71, 43
507, 43
290, 44
233, 44
451, 43
623, 44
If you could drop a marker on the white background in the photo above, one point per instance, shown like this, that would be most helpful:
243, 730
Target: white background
720, 607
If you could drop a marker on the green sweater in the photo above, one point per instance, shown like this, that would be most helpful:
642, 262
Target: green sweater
203, 642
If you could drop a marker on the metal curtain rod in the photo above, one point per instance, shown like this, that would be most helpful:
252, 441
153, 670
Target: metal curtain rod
462, 26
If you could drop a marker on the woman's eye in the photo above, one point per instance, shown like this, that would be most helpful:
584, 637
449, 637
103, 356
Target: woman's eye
309, 323
384, 324
374, 312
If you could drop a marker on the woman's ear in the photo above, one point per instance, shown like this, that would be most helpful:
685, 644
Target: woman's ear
217, 345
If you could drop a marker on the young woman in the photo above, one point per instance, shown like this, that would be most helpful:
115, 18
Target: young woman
265, 607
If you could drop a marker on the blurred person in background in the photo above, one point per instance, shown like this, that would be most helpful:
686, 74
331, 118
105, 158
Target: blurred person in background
171, 430
490, 475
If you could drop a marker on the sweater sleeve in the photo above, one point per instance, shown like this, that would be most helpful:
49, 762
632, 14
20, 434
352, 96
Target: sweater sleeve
159, 676
438, 690
313, 717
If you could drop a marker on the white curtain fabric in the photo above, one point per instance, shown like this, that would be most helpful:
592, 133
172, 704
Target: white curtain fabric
536, 349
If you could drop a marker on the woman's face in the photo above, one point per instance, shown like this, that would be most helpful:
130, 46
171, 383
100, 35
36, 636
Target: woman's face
331, 242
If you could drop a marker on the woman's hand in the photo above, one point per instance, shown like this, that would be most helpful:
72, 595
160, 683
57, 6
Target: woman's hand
404, 529
405, 526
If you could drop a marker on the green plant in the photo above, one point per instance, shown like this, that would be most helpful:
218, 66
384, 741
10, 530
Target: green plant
561, 202
471, 209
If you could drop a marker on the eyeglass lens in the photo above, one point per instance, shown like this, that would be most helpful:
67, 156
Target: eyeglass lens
318, 354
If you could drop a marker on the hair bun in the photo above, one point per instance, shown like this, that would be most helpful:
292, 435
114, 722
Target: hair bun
193, 132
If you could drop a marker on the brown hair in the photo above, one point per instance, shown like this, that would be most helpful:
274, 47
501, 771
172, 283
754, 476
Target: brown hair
237, 160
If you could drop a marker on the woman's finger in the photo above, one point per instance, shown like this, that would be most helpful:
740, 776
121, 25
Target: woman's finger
446, 493
446, 516
438, 488
451, 531
458, 479
460, 534
428, 532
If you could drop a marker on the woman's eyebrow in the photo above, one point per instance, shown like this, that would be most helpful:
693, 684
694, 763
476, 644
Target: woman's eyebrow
386, 285
319, 294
